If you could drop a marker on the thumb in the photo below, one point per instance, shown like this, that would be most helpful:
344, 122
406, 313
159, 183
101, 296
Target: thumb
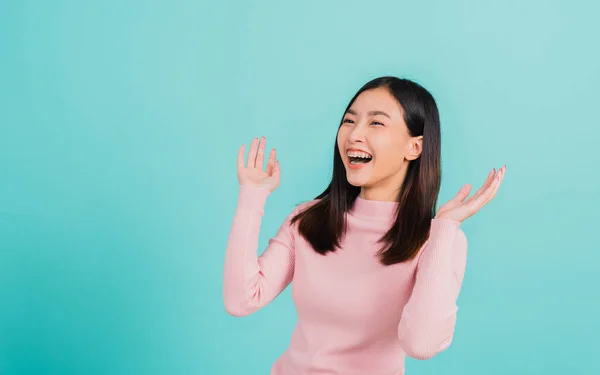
276, 170
463, 193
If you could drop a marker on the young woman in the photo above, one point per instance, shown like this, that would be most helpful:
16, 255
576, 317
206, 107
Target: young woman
376, 270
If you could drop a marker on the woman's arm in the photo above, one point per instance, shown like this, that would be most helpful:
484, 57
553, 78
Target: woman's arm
428, 320
251, 282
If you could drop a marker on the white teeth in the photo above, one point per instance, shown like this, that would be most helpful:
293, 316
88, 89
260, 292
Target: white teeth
358, 154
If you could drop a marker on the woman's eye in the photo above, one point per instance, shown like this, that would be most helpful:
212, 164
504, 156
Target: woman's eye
348, 120
378, 123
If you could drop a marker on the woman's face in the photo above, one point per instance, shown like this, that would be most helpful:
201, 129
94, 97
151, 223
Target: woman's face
375, 144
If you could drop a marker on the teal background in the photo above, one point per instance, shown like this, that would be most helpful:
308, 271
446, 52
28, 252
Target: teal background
120, 125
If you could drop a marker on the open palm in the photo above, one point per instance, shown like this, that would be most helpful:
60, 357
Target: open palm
460, 209
252, 173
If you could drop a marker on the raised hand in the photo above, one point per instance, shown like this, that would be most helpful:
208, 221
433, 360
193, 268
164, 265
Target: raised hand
252, 174
460, 209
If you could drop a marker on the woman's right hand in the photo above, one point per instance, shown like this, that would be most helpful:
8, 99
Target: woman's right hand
252, 174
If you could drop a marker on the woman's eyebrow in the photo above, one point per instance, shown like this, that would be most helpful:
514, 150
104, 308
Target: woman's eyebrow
371, 113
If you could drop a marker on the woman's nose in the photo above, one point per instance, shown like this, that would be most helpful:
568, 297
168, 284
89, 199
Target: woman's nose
357, 134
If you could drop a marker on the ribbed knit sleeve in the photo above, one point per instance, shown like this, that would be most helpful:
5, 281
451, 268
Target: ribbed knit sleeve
250, 282
428, 320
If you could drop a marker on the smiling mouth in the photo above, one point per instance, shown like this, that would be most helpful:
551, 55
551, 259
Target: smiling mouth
359, 159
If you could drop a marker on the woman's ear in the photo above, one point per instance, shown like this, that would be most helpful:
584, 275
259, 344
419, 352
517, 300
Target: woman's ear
415, 149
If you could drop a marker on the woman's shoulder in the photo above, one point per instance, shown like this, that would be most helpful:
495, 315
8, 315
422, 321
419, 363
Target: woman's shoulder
308, 203
300, 207
303, 205
292, 217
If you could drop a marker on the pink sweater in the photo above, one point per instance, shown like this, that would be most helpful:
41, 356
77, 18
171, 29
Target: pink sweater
355, 315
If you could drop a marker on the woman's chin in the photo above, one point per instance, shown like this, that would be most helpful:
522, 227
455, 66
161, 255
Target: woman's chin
358, 181
358, 175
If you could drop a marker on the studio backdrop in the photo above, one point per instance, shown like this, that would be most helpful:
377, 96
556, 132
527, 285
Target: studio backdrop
120, 123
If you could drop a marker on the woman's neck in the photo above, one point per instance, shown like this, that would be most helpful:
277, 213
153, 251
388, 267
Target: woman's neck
374, 195
387, 190
381, 193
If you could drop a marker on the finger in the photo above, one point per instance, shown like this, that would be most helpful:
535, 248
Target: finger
240, 158
488, 181
277, 171
271, 162
463, 193
500, 178
260, 156
486, 196
252, 154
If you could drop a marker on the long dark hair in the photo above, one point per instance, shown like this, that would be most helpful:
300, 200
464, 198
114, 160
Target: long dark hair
323, 223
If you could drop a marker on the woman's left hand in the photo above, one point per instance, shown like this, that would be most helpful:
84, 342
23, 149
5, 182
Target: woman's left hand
460, 209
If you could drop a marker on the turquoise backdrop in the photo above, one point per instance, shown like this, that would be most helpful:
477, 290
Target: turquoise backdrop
120, 125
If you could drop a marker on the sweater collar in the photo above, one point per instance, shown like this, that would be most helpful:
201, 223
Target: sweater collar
373, 209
